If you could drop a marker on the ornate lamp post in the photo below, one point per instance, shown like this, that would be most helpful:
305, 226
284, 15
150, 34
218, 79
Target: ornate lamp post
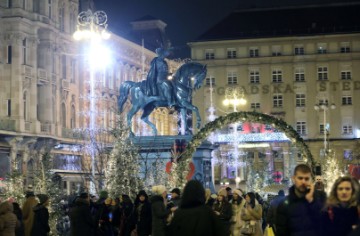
234, 96
325, 107
92, 27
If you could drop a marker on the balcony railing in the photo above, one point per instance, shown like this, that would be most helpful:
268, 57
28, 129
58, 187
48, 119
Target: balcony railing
27, 126
27, 71
65, 84
42, 76
45, 128
8, 125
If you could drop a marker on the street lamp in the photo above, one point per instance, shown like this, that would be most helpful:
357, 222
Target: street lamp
324, 106
92, 27
235, 96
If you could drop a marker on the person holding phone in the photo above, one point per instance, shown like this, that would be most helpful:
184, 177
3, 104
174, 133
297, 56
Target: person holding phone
299, 213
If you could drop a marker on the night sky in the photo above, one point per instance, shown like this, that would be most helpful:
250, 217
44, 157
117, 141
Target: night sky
185, 19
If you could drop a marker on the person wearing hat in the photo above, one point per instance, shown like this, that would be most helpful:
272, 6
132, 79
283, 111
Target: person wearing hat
81, 222
41, 217
175, 198
142, 214
27, 210
223, 210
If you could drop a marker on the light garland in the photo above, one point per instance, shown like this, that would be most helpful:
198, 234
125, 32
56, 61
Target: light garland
254, 117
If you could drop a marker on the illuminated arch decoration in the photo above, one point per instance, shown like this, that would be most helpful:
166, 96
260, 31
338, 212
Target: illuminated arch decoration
254, 117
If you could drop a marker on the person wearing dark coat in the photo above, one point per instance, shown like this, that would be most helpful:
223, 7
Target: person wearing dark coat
81, 222
20, 229
41, 217
299, 213
159, 211
142, 214
271, 214
223, 210
127, 208
340, 214
194, 217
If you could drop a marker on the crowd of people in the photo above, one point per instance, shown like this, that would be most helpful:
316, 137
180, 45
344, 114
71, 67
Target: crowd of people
305, 211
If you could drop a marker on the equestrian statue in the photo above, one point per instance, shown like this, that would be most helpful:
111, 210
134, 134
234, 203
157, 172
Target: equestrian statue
158, 91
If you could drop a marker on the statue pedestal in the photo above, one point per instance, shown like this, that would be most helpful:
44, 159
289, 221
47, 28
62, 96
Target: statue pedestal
160, 147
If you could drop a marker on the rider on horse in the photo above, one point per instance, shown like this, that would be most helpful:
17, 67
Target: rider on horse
157, 83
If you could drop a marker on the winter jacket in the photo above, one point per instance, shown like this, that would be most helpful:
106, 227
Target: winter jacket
81, 222
142, 218
28, 213
225, 210
253, 216
41, 221
236, 221
8, 220
159, 215
193, 217
271, 214
297, 217
338, 220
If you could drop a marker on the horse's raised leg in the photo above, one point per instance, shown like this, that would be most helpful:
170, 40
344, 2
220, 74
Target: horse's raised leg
145, 118
130, 115
187, 105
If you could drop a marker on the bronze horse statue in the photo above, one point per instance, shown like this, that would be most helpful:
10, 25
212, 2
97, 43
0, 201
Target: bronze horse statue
182, 90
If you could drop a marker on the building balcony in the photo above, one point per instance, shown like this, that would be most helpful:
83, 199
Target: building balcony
27, 71
65, 84
8, 125
42, 77
45, 128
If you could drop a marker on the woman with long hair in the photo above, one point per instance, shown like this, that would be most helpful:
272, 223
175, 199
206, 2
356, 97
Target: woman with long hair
142, 214
251, 214
340, 212
237, 203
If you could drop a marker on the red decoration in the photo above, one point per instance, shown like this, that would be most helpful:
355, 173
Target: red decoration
354, 171
277, 176
189, 175
168, 167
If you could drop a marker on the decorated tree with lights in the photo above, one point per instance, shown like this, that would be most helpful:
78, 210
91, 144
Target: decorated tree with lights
122, 172
333, 168
14, 187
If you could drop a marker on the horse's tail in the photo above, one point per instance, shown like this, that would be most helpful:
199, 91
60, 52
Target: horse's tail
124, 92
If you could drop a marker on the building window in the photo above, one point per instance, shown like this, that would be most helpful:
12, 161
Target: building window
63, 115
321, 128
9, 4
9, 54
278, 100
73, 71
24, 51
321, 48
49, 8
301, 127
62, 19
254, 76
231, 53
254, 52
255, 105
347, 129
276, 76
8, 107
346, 100
73, 117
209, 54
63, 64
299, 50
345, 75
345, 47
300, 100
276, 51
25, 104
299, 74
232, 77
322, 73
210, 81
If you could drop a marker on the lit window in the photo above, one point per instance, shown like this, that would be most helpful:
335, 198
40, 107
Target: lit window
321, 48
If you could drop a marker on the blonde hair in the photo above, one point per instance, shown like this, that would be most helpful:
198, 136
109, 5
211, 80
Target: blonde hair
158, 189
333, 198
207, 193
